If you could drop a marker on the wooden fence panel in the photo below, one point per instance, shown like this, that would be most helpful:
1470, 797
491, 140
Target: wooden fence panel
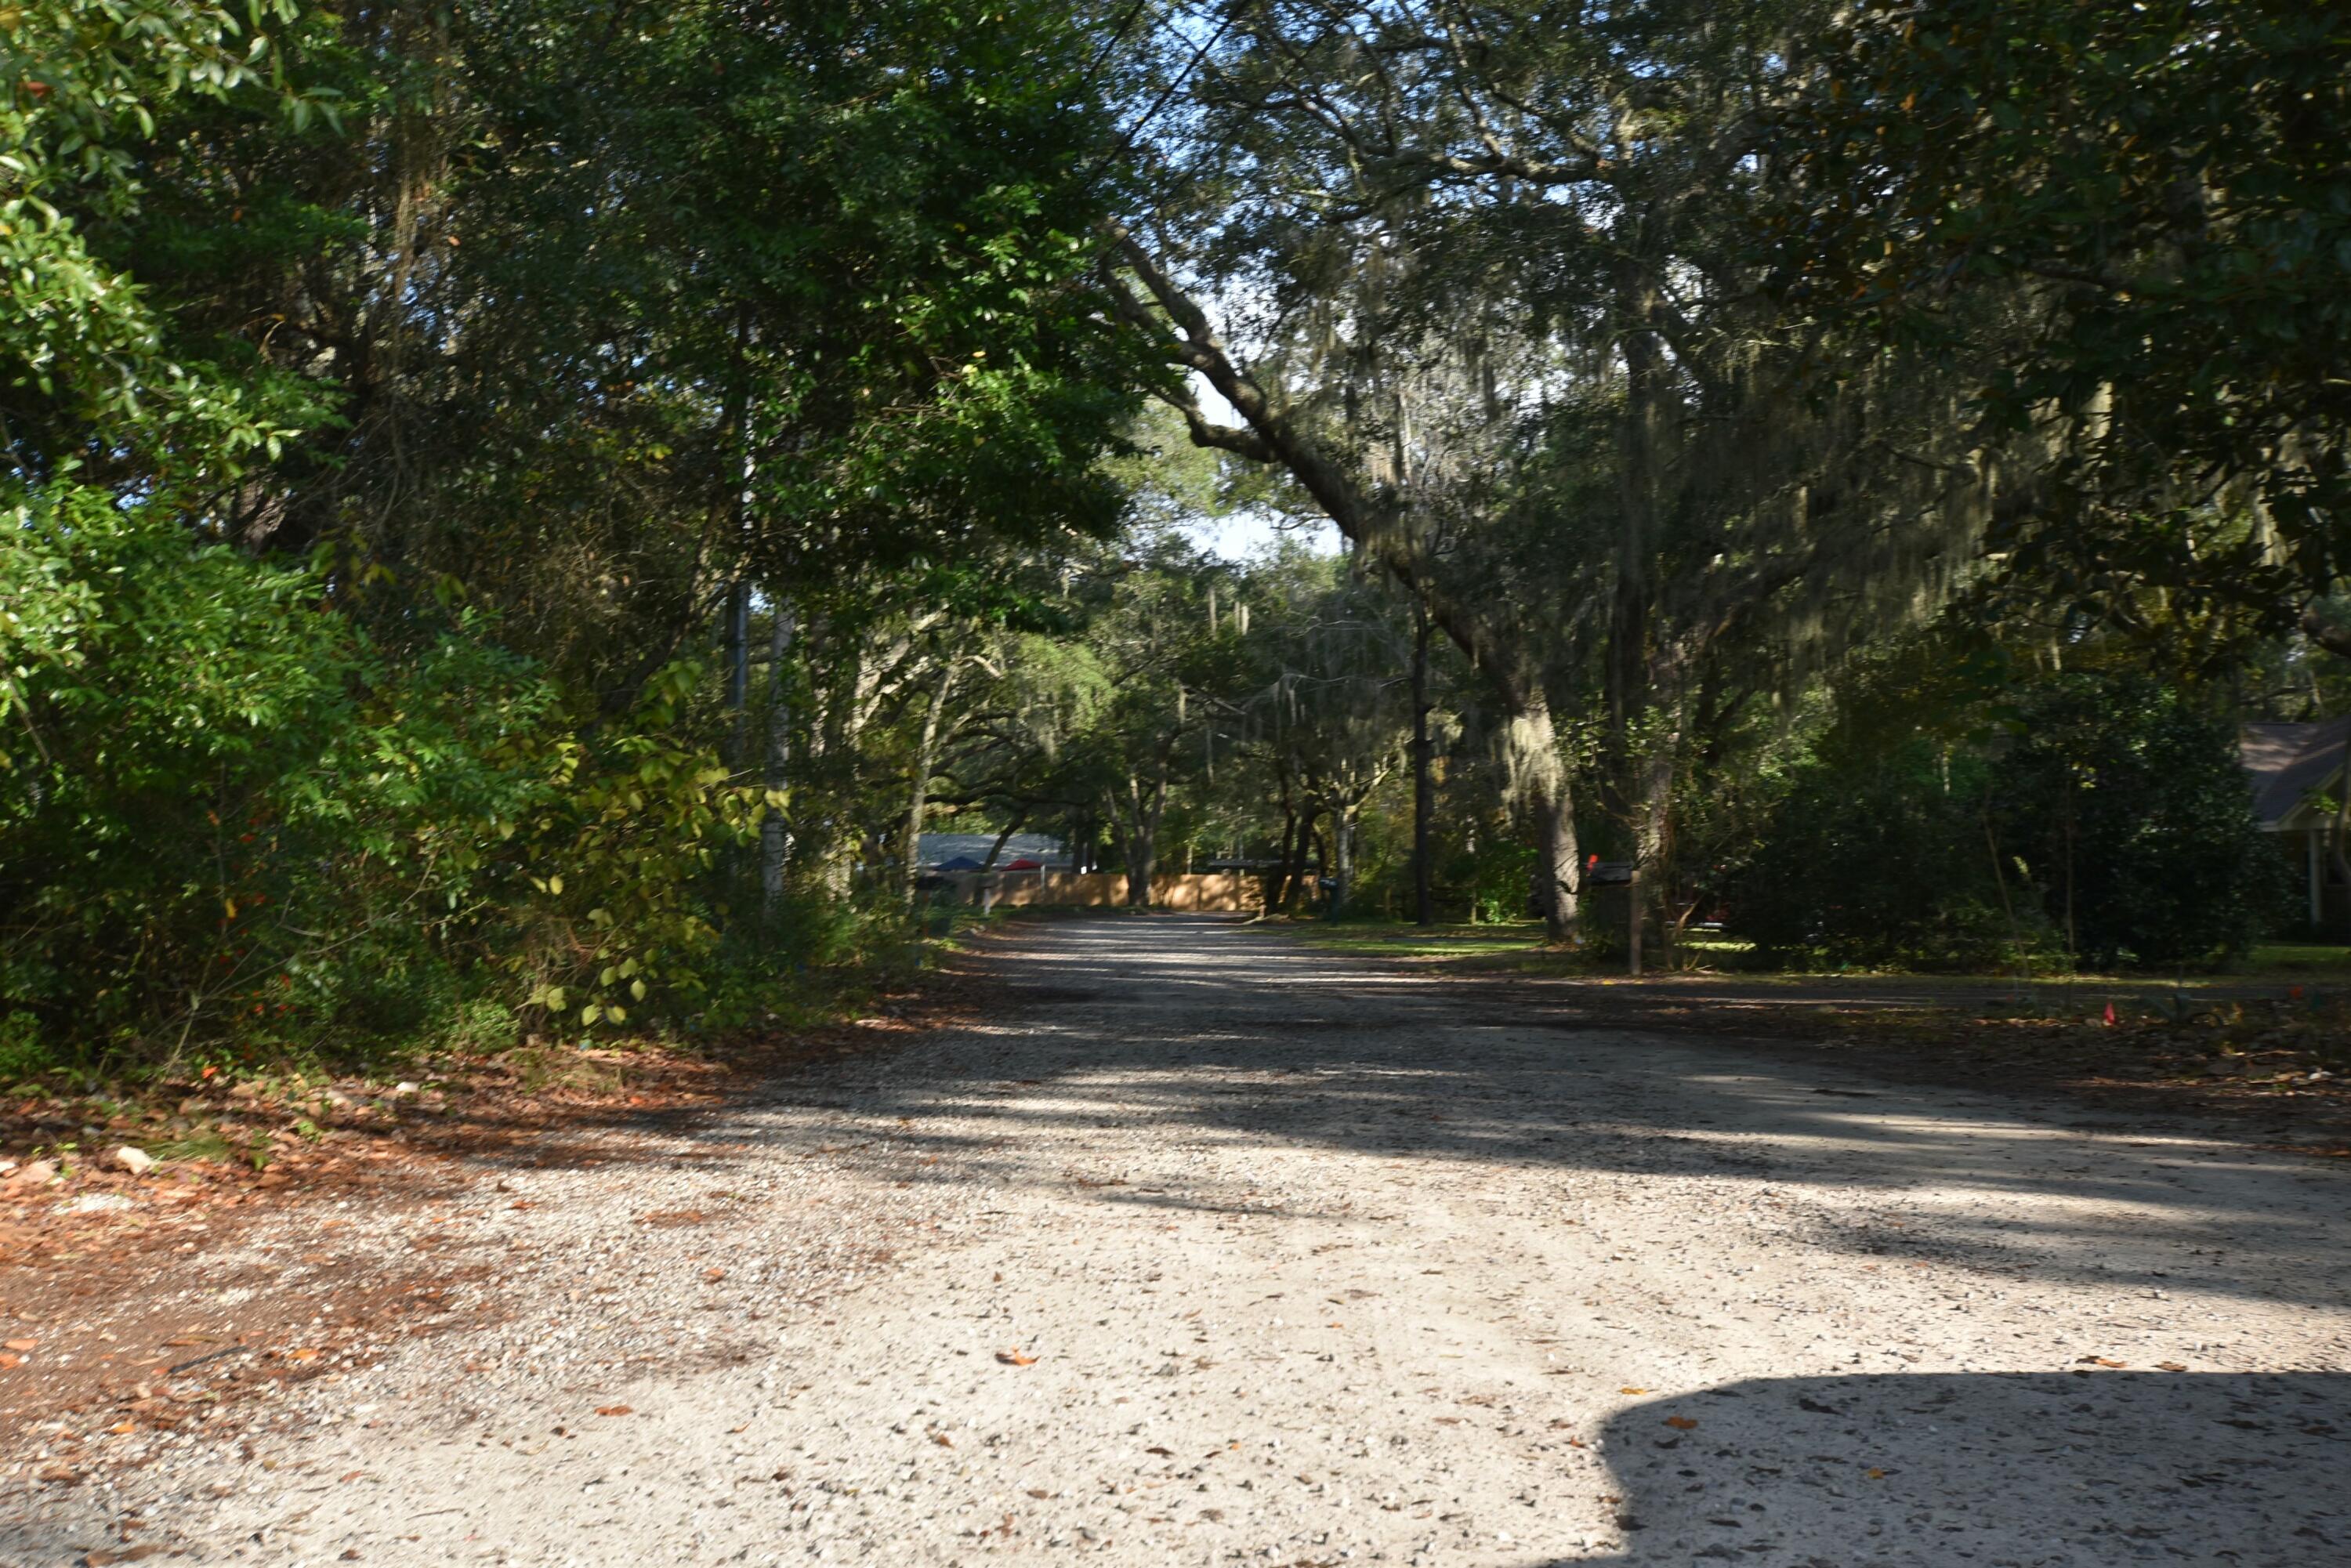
1205, 892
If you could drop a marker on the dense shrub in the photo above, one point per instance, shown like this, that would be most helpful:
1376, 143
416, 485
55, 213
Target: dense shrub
2131, 810
2105, 816
1882, 860
231, 822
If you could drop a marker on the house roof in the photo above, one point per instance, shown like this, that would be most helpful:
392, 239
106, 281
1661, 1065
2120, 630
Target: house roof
2288, 762
938, 847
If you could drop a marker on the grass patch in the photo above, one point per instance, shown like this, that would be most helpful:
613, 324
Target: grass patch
2300, 960
1517, 948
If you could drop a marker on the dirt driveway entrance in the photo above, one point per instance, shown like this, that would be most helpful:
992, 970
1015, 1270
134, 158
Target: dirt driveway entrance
1211, 1248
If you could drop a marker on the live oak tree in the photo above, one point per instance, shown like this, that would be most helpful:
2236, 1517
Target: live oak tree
2160, 188
1489, 268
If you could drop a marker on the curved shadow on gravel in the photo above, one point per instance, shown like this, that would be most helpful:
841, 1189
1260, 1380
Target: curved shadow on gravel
2113, 1469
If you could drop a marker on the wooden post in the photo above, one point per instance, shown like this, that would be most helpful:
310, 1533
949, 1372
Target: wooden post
1633, 918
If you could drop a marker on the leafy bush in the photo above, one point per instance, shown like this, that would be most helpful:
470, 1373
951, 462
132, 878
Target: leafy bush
2131, 810
1882, 860
2105, 816
232, 820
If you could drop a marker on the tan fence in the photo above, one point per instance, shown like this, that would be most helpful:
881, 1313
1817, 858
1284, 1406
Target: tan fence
1207, 891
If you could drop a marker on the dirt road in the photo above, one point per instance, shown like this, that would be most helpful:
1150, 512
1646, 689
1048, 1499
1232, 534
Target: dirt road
1210, 1248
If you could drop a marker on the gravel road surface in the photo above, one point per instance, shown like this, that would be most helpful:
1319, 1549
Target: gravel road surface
1210, 1248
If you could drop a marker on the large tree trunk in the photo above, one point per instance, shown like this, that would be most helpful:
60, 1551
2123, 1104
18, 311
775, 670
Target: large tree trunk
996, 850
1632, 797
1375, 523
1285, 870
1558, 877
1277, 888
1343, 856
1659, 762
774, 838
1657, 784
2338, 847
1138, 816
738, 673
1423, 776
1310, 838
918, 798
1140, 842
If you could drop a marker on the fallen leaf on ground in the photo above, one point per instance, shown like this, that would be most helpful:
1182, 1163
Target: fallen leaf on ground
1038, 1491
712, 1276
1680, 1423
614, 1410
2100, 1361
1632, 1391
1167, 1453
942, 1440
305, 1354
2169, 1366
20, 1343
1013, 1358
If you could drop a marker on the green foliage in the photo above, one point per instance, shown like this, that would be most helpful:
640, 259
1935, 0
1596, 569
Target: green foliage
1882, 860
2100, 815
2131, 810
22, 1053
343, 688
230, 817
79, 344
616, 847
2164, 183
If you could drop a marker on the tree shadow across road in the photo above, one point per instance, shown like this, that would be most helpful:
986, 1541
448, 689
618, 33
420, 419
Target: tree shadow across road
2039, 1470
1186, 1030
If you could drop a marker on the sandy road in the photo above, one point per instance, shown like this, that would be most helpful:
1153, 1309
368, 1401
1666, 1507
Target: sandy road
1210, 1248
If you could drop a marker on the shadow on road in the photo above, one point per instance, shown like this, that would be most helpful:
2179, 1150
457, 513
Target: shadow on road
1202, 1029
2115, 1468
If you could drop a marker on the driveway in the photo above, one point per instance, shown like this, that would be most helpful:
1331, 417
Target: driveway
1208, 1247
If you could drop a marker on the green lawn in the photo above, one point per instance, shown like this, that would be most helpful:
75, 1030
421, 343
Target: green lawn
1517, 948
2297, 960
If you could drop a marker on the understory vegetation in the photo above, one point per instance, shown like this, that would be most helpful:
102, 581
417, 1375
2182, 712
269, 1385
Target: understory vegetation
516, 519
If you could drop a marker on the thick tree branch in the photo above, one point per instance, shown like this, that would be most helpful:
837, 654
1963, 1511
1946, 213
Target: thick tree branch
1372, 520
